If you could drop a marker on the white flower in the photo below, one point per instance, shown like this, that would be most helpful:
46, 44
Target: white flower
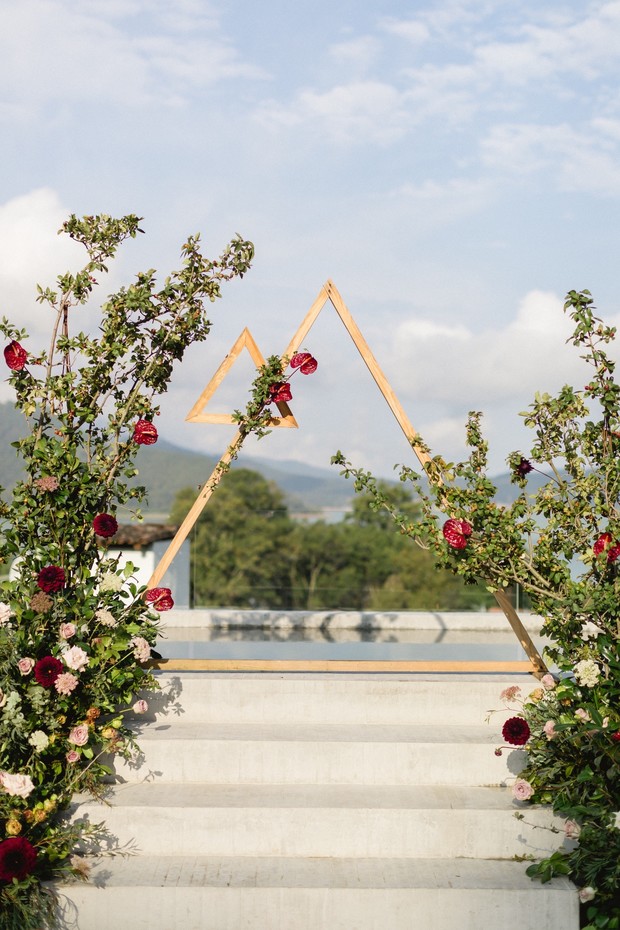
39, 740
141, 650
586, 894
75, 658
617, 820
2, 698
587, 673
5, 614
111, 582
19, 786
140, 707
105, 617
590, 630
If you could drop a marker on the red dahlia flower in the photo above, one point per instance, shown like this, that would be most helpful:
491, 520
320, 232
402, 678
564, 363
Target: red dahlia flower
145, 433
602, 543
516, 731
524, 468
160, 598
306, 363
15, 356
18, 858
279, 392
105, 525
456, 533
51, 578
47, 670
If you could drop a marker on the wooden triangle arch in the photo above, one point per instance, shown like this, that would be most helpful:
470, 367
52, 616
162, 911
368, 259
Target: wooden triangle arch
330, 293
197, 413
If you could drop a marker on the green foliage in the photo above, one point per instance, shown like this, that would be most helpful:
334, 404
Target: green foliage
562, 546
75, 629
248, 552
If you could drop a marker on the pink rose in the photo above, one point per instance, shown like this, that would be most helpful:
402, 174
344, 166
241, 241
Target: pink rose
25, 665
18, 786
522, 790
549, 729
67, 630
72, 756
75, 658
66, 683
586, 894
572, 830
582, 714
140, 707
79, 735
548, 682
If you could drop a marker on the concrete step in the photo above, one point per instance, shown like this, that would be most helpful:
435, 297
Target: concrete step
314, 698
204, 893
321, 754
317, 820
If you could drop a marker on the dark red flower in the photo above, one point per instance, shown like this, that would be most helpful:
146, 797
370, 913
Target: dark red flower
612, 553
616, 736
18, 858
516, 731
306, 363
105, 525
456, 533
524, 468
602, 543
51, 578
160, 598
280, 392
15, 356
145, 433
47, 670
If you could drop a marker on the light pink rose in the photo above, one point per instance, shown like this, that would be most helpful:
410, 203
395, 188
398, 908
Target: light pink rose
72, 756
75, 658
67, 630
66, 683
79, 735
140, 707
19, 786
572, 830
25, 665
522, 790
549, 729
582, 714
548, 682
586, 894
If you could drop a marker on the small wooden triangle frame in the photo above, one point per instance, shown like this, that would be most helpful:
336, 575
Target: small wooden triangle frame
327, 293
197, 413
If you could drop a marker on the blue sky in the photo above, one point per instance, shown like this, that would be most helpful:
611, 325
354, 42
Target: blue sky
453, 167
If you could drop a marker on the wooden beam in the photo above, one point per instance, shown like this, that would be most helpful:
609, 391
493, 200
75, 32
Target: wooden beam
332, 665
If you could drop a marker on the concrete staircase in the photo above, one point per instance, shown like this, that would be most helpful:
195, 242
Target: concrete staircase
310, 802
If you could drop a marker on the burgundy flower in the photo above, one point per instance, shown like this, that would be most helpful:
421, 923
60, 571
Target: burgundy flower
51, 579
105, 525
279, 392
18, 858
15, 356
516, 731
616, 736
612, 553
160, 598
456, 533
524, 468
47, 670
602, 543
145, 433
306, 363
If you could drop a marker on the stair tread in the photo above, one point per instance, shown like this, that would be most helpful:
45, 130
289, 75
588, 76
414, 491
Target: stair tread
303, 732
284, 872
413, 797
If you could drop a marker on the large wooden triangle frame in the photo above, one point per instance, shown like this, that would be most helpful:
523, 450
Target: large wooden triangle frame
328, 293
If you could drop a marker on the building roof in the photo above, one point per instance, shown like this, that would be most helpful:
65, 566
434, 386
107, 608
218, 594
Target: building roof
141, 535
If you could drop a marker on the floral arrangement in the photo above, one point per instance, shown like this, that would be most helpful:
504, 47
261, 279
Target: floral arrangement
562, 546
75, 628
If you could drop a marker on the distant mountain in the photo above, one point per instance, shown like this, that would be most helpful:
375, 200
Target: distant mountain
165, 469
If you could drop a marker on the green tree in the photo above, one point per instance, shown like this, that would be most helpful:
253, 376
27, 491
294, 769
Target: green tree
239, 544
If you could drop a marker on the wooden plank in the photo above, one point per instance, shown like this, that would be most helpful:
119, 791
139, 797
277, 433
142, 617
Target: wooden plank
333, 665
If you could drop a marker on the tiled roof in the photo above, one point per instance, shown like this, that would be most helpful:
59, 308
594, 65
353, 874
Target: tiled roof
141, 535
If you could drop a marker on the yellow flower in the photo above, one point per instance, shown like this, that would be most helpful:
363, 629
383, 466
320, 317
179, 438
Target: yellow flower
39, 815
536, 695
13, 827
